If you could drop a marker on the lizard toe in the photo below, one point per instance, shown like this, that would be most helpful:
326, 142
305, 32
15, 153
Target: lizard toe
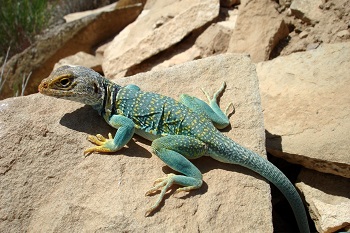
164, 183
97, 140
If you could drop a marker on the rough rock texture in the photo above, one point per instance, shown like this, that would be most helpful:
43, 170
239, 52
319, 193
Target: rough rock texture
328, 23
306, 99
214, 40
258, 29
230, 19
47, 185
128, 3
111, 7
156, 29
80, 15
307, 10
82, 59
203, 42
190, 54
63, 41
328, 199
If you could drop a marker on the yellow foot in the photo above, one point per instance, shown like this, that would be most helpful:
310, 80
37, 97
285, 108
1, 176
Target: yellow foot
103, 144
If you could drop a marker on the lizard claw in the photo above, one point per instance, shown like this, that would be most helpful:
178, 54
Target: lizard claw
227, 112
99, 139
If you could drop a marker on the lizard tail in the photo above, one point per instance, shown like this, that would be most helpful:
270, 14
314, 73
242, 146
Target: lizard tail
231, 152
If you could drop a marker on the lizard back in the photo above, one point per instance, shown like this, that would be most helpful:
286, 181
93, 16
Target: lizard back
161, 115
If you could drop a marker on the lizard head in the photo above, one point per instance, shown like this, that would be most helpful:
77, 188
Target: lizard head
76, 83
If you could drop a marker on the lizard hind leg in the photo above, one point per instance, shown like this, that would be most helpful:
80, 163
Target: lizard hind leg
211, 109
175, 150
213, 102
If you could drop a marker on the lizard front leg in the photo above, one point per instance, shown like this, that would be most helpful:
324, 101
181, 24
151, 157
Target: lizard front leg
126, 129
175, 150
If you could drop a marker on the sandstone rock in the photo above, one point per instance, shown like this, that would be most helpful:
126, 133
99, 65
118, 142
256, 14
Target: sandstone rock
101, 50
214, 40
82, 59
307, 10
285, 3
303, 34
128, 3
332, 19
231, 19
328, 199
190, 54
344, 34
47, 185
312, 46
65, 40
258, 29
111, 7
82, 14
201, 43
159, 27
184, 51
306, 99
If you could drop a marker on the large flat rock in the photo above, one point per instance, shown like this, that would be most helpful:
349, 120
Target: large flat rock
306, 104
46, 184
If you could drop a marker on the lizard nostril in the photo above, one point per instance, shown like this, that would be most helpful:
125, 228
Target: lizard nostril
42, 86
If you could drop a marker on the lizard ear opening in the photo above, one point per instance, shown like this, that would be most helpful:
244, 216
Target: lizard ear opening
95, 88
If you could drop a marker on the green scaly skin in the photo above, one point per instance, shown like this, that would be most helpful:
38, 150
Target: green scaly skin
179, 131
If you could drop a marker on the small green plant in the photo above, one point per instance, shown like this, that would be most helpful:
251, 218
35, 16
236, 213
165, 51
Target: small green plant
20, 21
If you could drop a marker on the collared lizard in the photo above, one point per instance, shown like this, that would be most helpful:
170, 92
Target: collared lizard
179, 130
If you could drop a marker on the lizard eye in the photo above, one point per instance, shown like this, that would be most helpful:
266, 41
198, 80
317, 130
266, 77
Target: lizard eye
65, 82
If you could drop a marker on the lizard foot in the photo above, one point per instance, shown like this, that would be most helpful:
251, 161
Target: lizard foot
215, 96
164, 184
103, 144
